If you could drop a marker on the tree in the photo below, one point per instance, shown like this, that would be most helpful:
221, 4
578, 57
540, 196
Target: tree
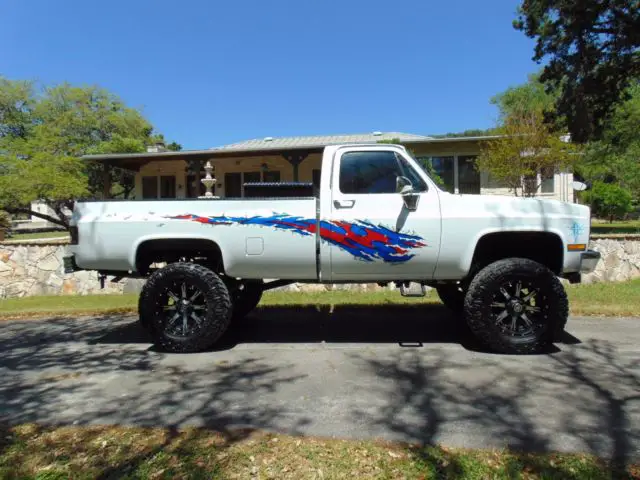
43, 135
616, 157
592, 48
608, 200
525, 149
529, 97
474, 132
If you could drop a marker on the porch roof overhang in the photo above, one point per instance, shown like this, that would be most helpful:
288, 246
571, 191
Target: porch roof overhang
133, 161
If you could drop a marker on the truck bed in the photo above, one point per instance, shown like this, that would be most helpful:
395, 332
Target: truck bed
260, 238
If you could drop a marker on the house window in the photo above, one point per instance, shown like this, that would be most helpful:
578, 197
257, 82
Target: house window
443, 166
234, 181
167, 186
547, 180
195, 188
468, 175
233, 185
149, 187
251, 177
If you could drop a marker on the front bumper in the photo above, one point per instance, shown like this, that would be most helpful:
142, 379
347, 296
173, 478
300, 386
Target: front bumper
589, 260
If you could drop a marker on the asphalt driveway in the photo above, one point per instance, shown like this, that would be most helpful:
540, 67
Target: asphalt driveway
398, 373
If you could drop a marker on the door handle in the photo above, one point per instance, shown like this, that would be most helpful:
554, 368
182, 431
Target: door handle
344, 203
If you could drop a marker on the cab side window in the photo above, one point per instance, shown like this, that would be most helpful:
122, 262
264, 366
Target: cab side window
374, 172
369, 172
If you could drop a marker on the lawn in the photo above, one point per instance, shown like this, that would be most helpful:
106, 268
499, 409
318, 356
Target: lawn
35, 452
38, 235
632, 226
609, 299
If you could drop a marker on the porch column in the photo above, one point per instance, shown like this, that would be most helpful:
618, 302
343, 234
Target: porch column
295, 159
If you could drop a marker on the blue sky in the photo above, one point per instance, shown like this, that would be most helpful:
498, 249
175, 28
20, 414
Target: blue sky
208, 72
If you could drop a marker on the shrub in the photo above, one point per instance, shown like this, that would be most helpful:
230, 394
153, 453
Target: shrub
608, 200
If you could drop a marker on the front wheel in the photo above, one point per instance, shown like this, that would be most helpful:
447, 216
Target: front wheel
516, 306
186, 307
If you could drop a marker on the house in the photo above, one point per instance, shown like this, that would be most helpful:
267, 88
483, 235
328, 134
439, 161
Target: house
168, 174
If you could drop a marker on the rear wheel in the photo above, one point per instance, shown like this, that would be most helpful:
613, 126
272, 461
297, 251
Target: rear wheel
516, 305
186, 307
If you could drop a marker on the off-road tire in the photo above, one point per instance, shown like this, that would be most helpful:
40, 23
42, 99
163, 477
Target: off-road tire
554, 306
246, 300
452, 296
216, 316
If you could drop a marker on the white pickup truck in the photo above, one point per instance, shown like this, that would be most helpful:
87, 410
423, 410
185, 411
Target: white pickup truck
377, 218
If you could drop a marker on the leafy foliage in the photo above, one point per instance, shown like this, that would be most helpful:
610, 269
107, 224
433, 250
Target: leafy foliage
608, 200
529, 97
526, 147
616, 157
43, 134
592, 52
474, 132
5, 221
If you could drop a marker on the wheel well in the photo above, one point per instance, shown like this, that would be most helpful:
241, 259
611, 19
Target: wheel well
542, 247
205, 252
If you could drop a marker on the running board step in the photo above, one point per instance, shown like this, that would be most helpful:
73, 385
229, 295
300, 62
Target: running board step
412, 289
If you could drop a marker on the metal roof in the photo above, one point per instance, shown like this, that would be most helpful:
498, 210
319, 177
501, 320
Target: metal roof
319, 140
274, 146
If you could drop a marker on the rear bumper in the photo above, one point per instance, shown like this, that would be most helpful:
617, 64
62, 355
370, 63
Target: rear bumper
589, 260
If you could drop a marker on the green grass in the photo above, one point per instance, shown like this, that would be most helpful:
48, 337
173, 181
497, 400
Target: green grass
35, 452
632, 226
608, 299
38, 235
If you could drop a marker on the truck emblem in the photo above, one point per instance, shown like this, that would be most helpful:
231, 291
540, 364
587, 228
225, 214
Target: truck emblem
362, 239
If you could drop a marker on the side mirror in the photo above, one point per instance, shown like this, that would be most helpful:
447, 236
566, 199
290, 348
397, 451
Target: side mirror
403, 186
409, 195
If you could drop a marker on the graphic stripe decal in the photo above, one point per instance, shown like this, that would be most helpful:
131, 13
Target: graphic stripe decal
362, 239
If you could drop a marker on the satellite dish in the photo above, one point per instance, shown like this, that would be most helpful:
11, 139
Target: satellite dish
579, 186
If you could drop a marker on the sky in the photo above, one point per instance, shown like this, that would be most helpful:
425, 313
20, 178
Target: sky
211, 72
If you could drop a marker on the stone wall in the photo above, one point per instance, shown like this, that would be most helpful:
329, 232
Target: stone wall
620, 260
36, 269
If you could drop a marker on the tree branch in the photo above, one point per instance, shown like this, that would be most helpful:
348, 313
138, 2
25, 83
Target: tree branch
43, 216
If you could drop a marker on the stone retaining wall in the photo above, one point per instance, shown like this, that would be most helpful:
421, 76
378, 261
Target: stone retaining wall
36, 269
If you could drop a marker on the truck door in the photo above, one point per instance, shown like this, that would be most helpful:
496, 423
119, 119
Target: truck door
374, 232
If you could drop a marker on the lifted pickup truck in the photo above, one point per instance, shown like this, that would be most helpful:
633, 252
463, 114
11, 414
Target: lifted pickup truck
377, 218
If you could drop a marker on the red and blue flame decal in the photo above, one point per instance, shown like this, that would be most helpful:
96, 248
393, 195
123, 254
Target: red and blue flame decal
362, 239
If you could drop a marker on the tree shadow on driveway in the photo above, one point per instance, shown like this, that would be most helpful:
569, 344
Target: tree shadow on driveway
51, 374
585, 399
